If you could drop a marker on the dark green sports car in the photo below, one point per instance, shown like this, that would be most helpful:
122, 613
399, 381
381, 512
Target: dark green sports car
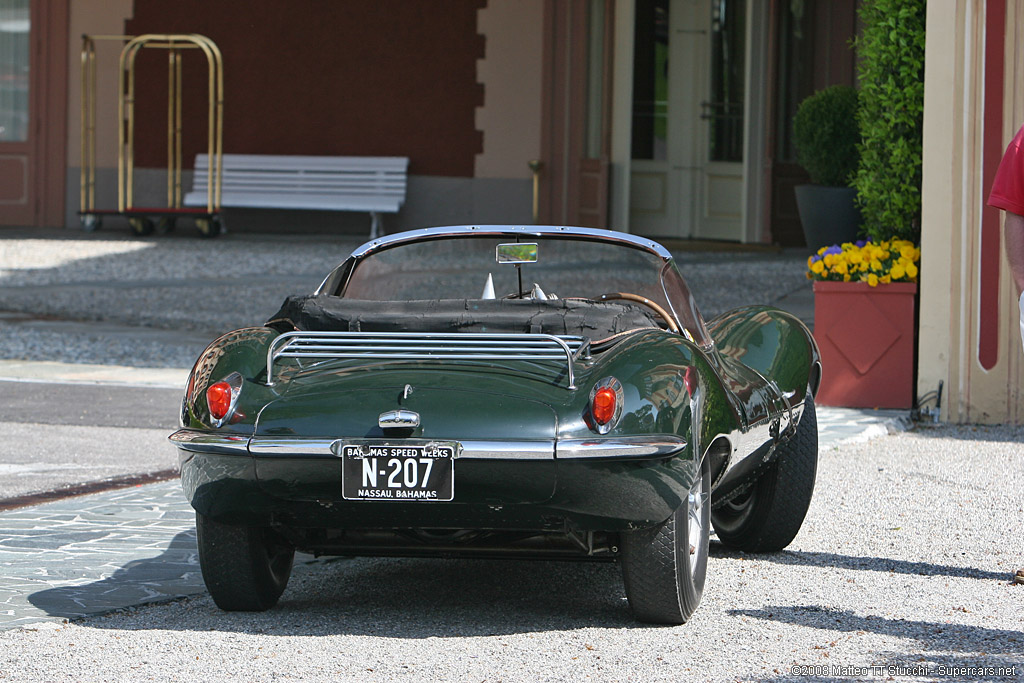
495, 391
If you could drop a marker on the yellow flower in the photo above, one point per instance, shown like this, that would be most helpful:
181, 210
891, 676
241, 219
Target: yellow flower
846, 277
907, 253
829, 260
809, 276
897, 271
822, 251
876, 264
818, 267
884, 279
872, 280
856, 257
911, 271
841, 268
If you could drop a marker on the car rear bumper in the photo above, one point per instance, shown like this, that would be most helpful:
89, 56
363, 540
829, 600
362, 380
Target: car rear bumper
598, 485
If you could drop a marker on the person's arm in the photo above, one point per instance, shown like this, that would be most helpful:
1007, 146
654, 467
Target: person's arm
1013, 231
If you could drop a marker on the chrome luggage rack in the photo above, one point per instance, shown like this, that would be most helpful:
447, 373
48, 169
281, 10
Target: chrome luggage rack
442, 346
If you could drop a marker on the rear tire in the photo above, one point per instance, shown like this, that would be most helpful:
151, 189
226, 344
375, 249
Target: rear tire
663, 568
245, 568
768, 517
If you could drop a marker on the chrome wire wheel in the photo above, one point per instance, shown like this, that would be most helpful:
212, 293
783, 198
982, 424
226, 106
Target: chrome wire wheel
699, 525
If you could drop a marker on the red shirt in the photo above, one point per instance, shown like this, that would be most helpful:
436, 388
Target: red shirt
1008, 187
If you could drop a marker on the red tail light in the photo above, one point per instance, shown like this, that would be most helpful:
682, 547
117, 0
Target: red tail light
222, 399
606, 401
218, 398
603, 405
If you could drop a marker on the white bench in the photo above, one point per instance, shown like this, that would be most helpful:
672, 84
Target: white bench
264, 181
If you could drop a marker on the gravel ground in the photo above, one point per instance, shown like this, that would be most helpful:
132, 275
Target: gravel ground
90, 344
168, 283
722, 282
191, 287
904, 560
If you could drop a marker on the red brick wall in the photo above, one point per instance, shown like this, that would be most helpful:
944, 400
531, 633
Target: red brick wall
388, 77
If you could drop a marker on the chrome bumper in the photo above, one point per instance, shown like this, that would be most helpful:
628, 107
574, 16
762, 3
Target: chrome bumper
597, 448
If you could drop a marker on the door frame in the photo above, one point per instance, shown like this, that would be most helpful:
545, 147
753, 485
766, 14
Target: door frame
45, 151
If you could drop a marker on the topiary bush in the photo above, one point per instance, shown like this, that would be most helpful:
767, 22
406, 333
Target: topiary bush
825, 134
891, 117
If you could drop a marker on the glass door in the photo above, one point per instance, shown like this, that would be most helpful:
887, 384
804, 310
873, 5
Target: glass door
689, 67
720, 197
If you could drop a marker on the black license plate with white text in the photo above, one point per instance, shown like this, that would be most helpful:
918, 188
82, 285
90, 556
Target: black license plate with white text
397, 472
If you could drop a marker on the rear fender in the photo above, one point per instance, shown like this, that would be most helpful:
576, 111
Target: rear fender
243, 351
774, 343
670, 387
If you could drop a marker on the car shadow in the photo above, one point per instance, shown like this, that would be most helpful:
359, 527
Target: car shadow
443, 598
930, 635
392, 597
972, 646
862, 563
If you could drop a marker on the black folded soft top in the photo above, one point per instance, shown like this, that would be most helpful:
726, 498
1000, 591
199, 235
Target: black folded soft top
596, 320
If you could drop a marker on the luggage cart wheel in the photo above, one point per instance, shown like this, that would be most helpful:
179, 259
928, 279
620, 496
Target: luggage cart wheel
91, 222
208, 227
166, 224
141, 225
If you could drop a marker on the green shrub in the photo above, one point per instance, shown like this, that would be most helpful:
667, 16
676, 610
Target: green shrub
891, 114
825, 134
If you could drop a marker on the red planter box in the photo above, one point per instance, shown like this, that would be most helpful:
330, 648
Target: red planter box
866, 337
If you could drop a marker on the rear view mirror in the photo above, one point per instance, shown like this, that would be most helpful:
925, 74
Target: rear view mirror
516, 253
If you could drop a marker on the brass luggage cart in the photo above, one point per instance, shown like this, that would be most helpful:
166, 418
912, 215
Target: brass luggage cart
143, 220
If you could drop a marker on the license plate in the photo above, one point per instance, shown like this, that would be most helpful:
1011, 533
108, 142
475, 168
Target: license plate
397, 472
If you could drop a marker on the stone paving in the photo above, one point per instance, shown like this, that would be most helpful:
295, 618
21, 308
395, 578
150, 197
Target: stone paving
93, 554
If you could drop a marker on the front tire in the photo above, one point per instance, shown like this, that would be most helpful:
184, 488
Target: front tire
663, 568
768, 516
245, 568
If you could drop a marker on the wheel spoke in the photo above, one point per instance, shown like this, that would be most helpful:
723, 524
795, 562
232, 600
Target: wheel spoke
696, 500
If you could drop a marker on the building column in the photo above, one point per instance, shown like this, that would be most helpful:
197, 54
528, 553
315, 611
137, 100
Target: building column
969, 336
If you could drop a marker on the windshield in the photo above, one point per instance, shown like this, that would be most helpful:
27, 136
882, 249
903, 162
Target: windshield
461, 267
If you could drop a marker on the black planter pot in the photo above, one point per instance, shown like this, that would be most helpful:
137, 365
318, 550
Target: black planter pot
828, 214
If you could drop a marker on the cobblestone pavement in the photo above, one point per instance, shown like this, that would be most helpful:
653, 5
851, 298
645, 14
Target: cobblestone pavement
92, 554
